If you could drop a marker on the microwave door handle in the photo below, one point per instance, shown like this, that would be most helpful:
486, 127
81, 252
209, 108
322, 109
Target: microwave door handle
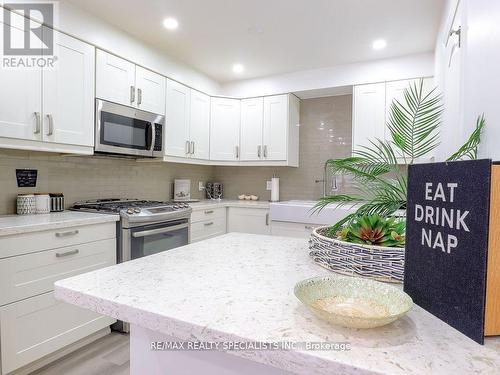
152, 232
149, 136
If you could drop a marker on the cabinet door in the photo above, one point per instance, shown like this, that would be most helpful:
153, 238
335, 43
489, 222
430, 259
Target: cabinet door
368, 114
68, 93
177, 122
248, 220
252, 116
20, 93
224, 129
199, 132
275, 127
115, 79
150, 90
394, 90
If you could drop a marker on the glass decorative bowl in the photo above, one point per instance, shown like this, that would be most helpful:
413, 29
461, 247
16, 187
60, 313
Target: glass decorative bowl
352, 301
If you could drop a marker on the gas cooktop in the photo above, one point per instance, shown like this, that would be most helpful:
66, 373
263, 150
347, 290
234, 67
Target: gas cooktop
128, 206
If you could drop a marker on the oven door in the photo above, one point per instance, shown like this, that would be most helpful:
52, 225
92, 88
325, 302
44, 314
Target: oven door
155, 238
125, 130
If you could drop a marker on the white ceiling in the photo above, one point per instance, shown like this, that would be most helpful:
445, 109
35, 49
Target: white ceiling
275, 36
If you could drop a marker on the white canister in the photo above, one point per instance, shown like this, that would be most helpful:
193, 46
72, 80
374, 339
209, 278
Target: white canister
42, 202
26, 204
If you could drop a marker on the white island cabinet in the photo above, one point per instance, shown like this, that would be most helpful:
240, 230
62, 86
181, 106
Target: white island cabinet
49, 108
237, 290
35, 328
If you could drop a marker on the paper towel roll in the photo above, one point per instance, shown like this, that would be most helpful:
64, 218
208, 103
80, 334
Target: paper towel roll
275, 189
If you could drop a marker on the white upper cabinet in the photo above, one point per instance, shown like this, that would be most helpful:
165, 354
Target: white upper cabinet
20, 94
276, 125
177, 120
225, 129
122, 82
150, 90
115, 79
68, 94
252, 117
199, 129
368, 114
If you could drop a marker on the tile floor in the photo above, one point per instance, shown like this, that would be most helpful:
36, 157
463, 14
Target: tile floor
106, 356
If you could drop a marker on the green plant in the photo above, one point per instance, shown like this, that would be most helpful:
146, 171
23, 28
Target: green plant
373, 230
379, 170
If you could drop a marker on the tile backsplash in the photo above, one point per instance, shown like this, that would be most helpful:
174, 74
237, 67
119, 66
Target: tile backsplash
325, 133
80, 178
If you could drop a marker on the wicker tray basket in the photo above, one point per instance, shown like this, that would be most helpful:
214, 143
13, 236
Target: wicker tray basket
374, 262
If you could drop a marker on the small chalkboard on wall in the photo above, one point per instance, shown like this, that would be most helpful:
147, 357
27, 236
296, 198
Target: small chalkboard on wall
452, 258
26, 177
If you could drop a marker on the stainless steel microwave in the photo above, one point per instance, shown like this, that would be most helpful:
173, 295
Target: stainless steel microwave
128, 131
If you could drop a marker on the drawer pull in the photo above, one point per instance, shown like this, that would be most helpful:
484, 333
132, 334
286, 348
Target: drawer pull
67, 234
208, 224
67, 253
208, 212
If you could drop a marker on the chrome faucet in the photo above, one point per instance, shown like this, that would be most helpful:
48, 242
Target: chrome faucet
333, 182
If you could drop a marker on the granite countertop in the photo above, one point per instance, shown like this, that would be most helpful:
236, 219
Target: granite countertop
17, 224
243, 291
204, 204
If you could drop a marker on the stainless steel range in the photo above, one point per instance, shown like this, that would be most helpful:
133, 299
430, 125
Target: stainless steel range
145, 227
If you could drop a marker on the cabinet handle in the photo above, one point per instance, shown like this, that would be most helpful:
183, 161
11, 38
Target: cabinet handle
192, 147
51, 124
139, 96
259, 151
208, 212
67, 253
237, 152
67, 234
265, 151
208, 224
132, 94
267, 219
188, 147
37, 123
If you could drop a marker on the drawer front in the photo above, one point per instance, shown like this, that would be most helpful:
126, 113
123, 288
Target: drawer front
208, 214
51, 239
207, 229
287, 229
38, 326
32, 274
248, 220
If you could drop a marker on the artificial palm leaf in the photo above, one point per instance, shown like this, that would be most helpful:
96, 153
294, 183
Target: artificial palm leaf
469, 148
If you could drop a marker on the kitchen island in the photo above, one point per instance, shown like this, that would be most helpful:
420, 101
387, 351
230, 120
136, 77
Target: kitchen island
237, 290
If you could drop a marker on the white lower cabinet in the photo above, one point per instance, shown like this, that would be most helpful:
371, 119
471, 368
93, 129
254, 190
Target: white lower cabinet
33, 324
208, 223
289, 229
248, 220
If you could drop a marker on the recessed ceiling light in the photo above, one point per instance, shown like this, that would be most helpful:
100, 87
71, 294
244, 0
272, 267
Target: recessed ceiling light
170, 23
238, 68
379, 44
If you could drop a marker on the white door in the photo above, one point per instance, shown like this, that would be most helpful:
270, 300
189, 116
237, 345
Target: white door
115, 79
177, 120
20, 92
199, 129
68, 93
150, 90
368, 114
224, 129
248, 220
252, 116
275, 127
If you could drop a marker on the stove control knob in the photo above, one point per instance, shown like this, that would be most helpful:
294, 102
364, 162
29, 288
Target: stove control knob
137, 210
130, 211
176, 207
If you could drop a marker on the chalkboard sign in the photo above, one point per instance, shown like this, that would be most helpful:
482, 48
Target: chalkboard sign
447, 241
26, 177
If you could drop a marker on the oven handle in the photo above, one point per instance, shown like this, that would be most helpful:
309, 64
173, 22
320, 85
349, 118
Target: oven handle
151, 232
149, 136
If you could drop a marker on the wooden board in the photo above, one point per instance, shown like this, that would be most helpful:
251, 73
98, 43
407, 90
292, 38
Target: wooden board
492, 313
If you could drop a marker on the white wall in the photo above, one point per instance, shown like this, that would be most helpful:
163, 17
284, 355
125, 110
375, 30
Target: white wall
83, 25
471, 84
411, 66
